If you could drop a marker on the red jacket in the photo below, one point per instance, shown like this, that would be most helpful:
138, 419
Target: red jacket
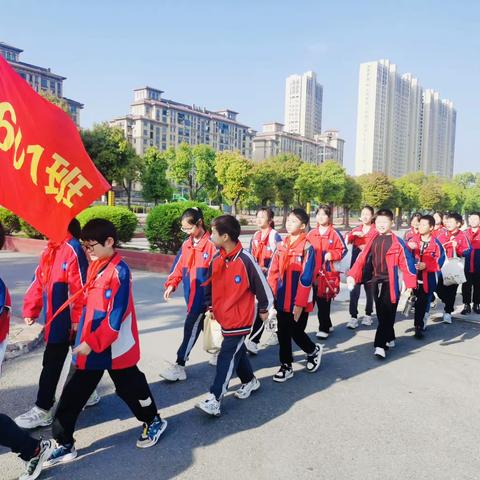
331, 241
439, 231
399, 261
60, 273
262, 250
410, 234
463, 245
191, 267
433, 257
109, 323
5, 308
290, 275
359, 242
472, 260
235, 279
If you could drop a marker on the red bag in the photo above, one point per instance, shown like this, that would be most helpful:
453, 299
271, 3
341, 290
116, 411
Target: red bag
328, 284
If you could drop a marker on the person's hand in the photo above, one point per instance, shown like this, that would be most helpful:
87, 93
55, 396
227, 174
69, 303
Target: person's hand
454, 243
167, 293
350, 283
29, 321
263, 316
328, 256
297, 311
421, 266
412, 245
408, 291
82, 349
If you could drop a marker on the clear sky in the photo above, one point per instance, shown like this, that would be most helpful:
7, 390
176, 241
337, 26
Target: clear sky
220, 54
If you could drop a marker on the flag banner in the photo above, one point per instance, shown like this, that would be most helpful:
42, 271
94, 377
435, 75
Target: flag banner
46, 175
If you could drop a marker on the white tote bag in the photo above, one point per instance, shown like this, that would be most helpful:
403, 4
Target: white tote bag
453, 270
212, 334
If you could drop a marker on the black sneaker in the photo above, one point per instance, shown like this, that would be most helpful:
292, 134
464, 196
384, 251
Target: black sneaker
284, 373
313, 360
418, 332
476, 308
467, 310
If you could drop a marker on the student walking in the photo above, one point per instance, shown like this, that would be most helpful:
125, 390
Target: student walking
5, 308
472, 267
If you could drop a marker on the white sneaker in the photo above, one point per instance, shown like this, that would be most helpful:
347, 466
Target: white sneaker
174, 373
213, 359
36, 417
426, 318
380, 352
247, 388
331, 329
252, 347
210, 406
447, 318
272, 340
367, 321
34, 466
322, 335
391, 344
353, 323
93, 400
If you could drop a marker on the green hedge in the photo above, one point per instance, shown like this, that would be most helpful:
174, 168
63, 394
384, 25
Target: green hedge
163, 224
124, 220
29, 231
10, 222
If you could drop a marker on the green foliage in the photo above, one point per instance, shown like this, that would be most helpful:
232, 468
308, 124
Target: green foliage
30, 231
155, 185
333, 182
378, 190
352, 196
286, 167
308, 183
431, 196
472, 200
124, 220
262, 189
10, 222
58, 101
454, 196
163, 227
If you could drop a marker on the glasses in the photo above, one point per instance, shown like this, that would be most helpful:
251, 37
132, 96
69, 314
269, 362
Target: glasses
90, 246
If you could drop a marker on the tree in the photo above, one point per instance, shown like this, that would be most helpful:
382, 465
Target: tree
154, 177
58, 101
465, 179
308, 183
431, 196
378, 190
194, 168
333, 182
472, 200
286, 167
352, 198
129, 174
233, 173
454, 195
262, 191
108, 148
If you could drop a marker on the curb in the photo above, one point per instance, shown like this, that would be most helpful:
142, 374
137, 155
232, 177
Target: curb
22, 338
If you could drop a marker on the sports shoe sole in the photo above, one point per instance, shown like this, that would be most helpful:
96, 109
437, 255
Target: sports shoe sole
317, 366
284, 379
172, 380
156, 439
254, 389
65, 459
210, 414
38, 425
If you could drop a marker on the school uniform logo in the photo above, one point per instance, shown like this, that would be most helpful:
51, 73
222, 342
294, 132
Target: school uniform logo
237, 279
269, 249
330, 241
205, 255
299, 259
108, 294
64, 266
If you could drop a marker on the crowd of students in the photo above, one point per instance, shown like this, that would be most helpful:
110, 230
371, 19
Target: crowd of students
84, 289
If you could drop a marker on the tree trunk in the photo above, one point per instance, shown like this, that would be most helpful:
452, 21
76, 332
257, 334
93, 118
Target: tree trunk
234, 207
346, 217
285, 213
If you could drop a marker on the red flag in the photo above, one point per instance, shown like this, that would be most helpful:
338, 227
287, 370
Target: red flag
46, 176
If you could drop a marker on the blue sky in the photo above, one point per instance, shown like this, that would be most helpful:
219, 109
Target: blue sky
237, 54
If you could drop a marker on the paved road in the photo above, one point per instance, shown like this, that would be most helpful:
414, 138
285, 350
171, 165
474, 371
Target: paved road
413, 416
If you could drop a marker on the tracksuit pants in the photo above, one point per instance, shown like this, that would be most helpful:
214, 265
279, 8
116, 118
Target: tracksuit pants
17, 439
231, 358
447, 295
288, 330
191, 330
472, 285
422, 303
258, 328
355, 295
386, 312
324, 320
130, 384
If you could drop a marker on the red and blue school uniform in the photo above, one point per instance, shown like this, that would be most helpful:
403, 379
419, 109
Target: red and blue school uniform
472, 269
410, 234
326, 278
384, 261
191, 268
291, 276
109, 327
235, 281
5, 309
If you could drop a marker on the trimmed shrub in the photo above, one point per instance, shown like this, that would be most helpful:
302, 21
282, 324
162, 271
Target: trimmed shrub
29, 231
163, 224
124, 220
10, 222
243, 221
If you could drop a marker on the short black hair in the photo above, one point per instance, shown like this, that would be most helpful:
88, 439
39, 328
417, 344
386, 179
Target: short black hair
384, 212
458, 218
227, 224
416, 215
99, 229
429, 219
368, 207
2, 236
75, 229
326, 208
302, 215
